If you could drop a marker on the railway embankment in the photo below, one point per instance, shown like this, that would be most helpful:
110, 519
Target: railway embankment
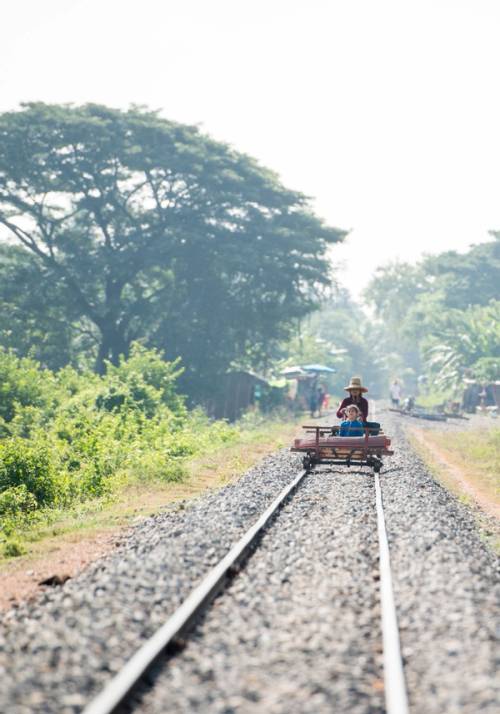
447, 590
298, 630
465, 457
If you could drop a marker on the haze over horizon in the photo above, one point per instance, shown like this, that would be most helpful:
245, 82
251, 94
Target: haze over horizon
385, 114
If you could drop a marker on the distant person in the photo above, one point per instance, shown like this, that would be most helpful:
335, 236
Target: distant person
395, 392
320, 397
409, 404
352, 424
313, 402
471, 396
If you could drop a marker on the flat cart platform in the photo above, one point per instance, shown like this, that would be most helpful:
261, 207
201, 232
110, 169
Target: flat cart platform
322, 445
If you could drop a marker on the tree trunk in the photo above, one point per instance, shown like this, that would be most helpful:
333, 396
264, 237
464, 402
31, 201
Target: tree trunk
113, 345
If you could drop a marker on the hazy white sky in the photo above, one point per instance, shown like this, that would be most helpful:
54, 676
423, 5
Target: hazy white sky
386, 112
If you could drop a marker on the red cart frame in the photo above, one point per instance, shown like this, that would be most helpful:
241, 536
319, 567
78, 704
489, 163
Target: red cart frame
326, 447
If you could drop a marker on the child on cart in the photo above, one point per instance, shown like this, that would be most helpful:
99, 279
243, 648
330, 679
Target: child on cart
352, 424
356, 390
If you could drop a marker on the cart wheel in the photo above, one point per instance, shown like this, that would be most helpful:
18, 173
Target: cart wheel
307, 463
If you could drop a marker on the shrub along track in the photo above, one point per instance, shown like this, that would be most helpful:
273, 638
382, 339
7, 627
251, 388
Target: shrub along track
315, 590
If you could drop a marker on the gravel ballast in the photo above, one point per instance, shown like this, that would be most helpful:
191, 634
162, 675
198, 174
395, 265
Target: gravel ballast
446, 586
299, 628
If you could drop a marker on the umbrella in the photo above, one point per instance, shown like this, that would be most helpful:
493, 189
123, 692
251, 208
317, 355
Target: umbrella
317, 368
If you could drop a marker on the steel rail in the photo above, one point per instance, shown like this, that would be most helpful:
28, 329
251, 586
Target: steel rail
180, 621
396, 698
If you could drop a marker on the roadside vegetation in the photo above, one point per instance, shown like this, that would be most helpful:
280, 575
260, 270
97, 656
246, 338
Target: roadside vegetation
468, 464
476, 453
74, 444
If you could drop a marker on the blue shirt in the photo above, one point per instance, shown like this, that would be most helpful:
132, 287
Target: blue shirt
351, 428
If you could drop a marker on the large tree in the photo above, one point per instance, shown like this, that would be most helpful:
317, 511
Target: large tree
145, 228
35, 315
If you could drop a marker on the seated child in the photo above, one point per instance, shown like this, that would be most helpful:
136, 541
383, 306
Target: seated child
352, 425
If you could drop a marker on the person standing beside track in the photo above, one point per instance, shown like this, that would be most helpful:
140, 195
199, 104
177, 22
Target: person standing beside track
395, 393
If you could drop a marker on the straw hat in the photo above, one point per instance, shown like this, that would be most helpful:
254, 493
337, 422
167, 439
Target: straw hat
355, 384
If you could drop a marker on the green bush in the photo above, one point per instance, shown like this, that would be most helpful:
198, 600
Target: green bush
22, 383
17, 500
91, 447
145, 381
28, 463
155, 465
119, 396
13, 548
70, 437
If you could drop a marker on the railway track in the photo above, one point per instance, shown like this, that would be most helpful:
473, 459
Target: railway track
121, 688
299, 629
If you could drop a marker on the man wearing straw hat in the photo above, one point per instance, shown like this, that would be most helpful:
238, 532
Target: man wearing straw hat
355, 389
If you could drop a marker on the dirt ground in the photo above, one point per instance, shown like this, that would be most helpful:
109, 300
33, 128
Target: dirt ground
464, 483
21, 578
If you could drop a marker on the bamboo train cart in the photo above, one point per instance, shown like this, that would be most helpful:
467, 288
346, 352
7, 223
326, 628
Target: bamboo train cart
323, 445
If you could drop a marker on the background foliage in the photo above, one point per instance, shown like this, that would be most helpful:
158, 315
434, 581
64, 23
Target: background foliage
441, 318
126, 226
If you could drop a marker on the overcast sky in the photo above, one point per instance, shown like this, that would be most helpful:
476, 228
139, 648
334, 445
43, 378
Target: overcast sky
385, 112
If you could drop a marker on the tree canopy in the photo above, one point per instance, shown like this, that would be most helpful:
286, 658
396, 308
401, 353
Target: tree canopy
130, 226
441, 316
467, 279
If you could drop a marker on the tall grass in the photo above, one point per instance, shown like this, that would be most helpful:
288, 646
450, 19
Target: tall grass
478, 454
480, 449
